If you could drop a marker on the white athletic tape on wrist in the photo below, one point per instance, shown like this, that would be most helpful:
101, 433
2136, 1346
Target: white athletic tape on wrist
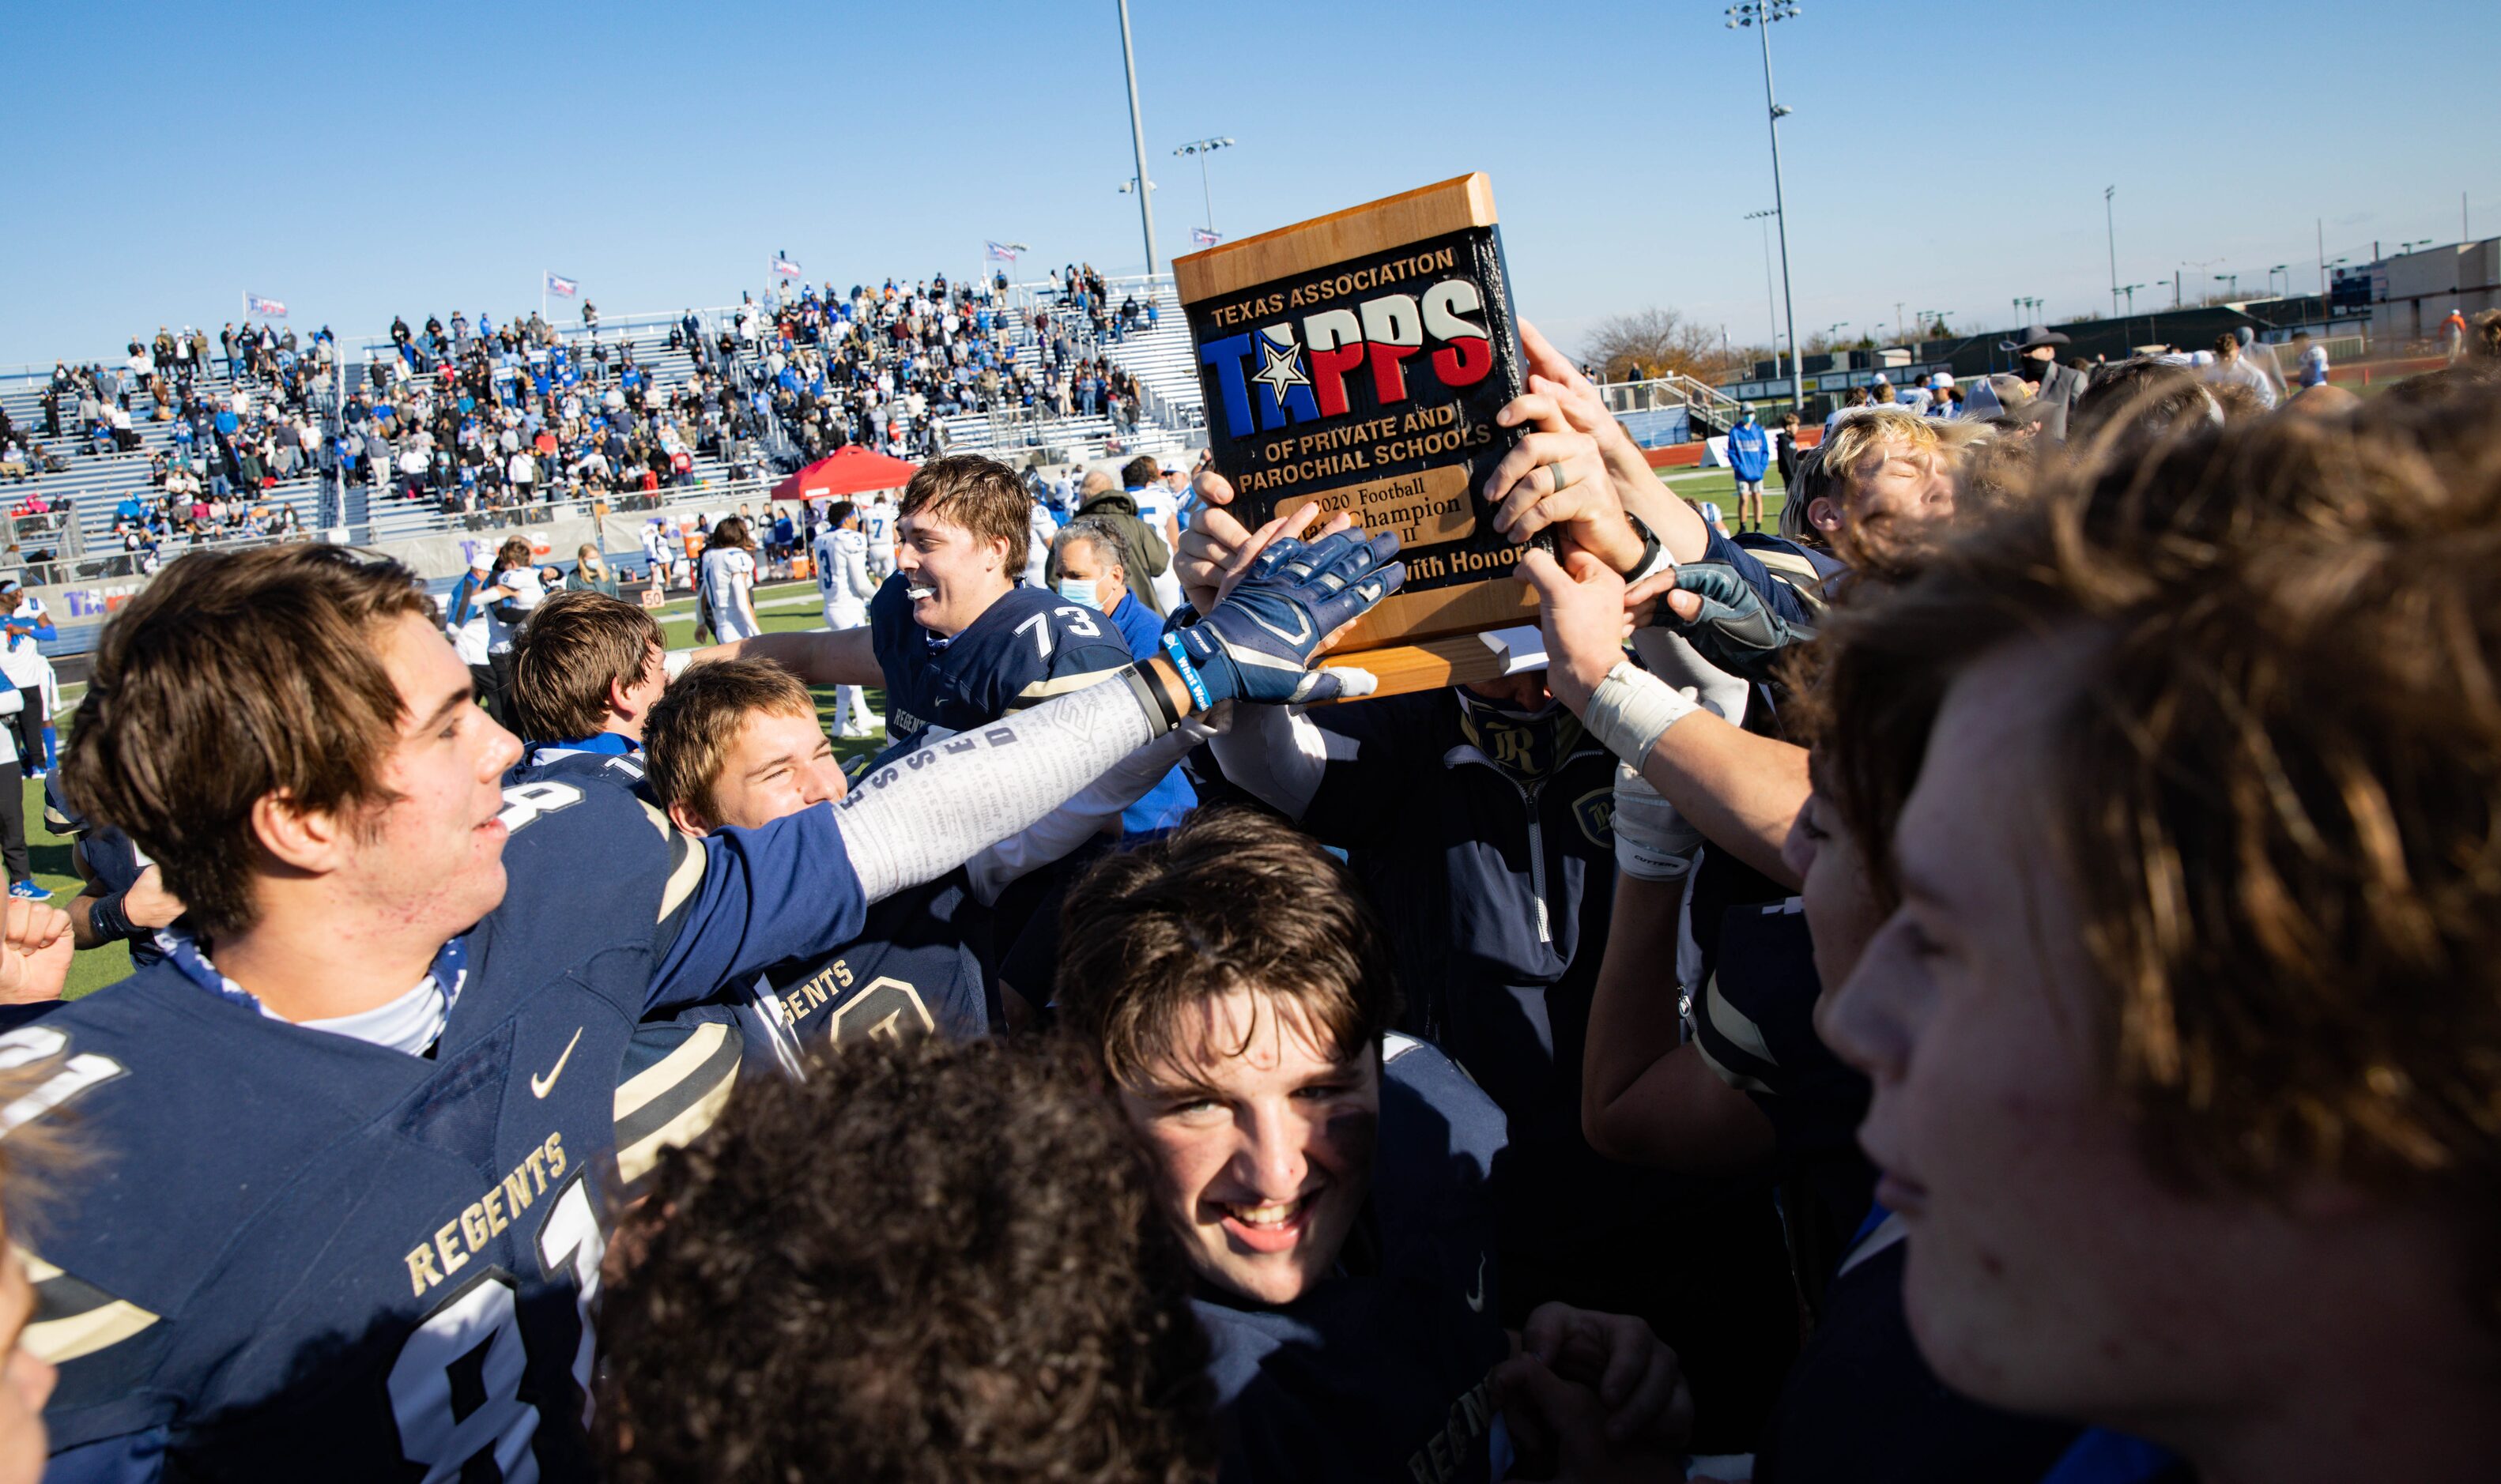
1631, 708
674, 663
1653, 840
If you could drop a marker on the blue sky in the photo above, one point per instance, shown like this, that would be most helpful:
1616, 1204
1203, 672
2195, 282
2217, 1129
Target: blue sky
361, 159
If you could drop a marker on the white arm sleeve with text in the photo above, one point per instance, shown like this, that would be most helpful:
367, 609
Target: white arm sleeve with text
924, 814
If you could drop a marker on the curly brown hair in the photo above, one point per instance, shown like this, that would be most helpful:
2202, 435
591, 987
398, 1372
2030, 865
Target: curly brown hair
2282, 807
928, 1260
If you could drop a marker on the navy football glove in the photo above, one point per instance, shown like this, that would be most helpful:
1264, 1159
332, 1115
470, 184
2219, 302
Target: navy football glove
1736, 629
1257, 644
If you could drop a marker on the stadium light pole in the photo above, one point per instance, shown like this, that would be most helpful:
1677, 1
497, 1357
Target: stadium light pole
1203, 148
1760, 13
1138, 141
1771, 302
2110, 226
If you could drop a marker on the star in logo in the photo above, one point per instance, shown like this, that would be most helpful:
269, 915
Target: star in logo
1282, 368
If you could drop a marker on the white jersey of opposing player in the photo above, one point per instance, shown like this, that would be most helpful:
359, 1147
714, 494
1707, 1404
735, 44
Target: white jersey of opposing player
1037, 557
842, 578
527, 592
876, 522
729, 586
1155, 509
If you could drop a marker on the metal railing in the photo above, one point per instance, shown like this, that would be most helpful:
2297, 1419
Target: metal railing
1667, 393
417, 520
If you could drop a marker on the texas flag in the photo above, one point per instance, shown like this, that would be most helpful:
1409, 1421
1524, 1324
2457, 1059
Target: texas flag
563, 288
266, 308
1001, 253
786, 268
1206, 236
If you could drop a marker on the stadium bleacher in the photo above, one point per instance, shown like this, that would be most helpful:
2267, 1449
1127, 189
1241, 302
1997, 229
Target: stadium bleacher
75, 534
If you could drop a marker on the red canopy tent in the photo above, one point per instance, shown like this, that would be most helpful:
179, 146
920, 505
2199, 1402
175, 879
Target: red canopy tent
851, 470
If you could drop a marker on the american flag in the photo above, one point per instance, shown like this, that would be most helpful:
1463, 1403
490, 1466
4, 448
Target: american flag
786, 268
563, 288
266, 308
1001, 253
1206, 236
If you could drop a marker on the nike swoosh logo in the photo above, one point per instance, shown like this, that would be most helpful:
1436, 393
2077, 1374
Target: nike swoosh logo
540, 1087
1476, 1300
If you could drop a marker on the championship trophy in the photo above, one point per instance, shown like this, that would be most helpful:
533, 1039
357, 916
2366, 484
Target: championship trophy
1357, 360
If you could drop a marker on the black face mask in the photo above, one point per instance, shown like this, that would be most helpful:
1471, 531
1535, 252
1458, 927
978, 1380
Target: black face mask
1525, 745
2034, 367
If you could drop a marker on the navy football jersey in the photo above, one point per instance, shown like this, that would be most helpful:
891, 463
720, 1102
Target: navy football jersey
914, 968
1380, 1371
300, 1255
1025, 648
1754, 1023
607, 758
680, 1067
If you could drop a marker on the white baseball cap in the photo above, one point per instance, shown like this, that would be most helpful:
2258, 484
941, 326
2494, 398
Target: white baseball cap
1941, 381
482, 559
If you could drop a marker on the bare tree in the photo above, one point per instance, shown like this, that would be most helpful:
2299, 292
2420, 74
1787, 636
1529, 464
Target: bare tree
1652, 342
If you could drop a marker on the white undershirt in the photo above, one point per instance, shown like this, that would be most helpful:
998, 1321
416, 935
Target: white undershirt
410, 1023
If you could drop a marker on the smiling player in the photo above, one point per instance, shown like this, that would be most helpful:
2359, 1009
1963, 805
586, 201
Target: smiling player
357, 1124
954, 636
1329, 1182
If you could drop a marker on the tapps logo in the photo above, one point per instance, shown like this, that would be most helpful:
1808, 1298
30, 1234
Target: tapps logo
1300, 368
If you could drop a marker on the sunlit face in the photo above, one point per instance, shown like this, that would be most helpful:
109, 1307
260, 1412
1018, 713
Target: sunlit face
26, 1382
434, 855
779, 765
1081, 562
1898, 484
2049, 1270
953, 577
1261, 1144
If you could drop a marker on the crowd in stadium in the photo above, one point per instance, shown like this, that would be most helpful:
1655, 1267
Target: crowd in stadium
880, 366
1993, 978
485, 420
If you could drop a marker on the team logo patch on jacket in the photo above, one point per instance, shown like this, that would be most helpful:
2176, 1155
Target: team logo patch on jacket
1596, 813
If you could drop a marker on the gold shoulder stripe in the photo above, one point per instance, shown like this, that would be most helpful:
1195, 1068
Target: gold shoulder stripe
73, 1317
685, 871
1060, 685
1741, 1031
658, 821
672, 1102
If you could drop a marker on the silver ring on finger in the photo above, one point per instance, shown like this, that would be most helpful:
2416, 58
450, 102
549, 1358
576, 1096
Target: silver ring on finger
1555, 472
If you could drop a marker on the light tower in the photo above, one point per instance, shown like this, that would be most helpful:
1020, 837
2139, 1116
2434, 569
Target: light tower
1760, 13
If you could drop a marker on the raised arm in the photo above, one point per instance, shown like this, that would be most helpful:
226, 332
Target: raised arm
1742, 791
841, 658
798, 885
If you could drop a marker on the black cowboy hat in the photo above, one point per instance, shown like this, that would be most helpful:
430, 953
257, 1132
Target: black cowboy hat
2035, 336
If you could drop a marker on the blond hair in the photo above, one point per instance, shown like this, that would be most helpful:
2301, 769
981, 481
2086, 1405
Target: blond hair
687, 737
